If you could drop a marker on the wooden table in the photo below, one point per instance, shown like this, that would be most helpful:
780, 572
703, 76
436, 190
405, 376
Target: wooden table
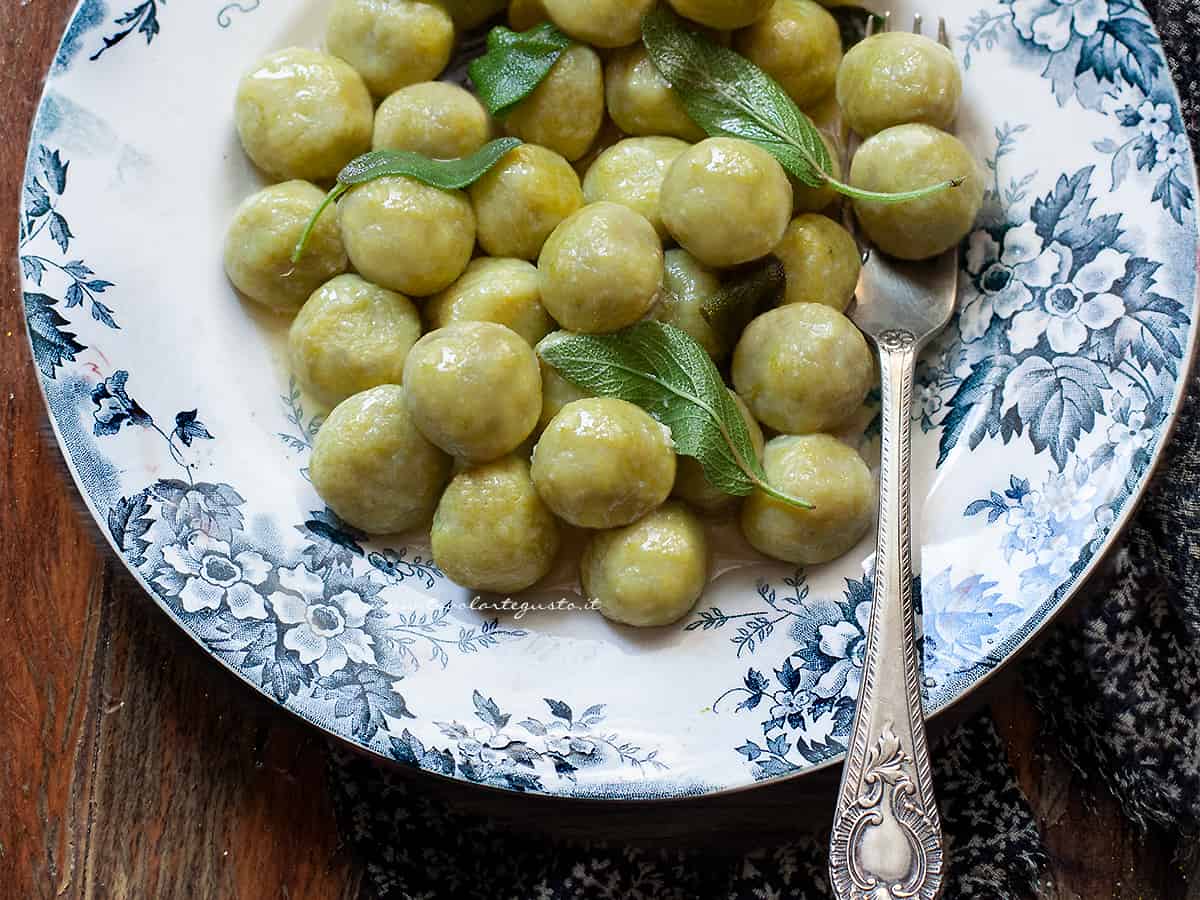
133, 766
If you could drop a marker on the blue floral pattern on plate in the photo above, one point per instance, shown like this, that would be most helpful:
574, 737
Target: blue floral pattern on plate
1039, 414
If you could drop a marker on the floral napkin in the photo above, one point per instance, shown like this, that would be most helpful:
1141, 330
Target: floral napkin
1118, 691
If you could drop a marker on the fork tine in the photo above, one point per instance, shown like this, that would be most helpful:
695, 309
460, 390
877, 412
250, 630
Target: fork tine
943, 33
887, 21
871, 20
918, 22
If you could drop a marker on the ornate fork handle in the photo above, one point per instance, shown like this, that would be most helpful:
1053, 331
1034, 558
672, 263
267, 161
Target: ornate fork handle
887, 836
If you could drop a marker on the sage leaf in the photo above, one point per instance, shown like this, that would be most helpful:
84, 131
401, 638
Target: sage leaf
664, 371
743, 295
515, 63
728, 96
447, 174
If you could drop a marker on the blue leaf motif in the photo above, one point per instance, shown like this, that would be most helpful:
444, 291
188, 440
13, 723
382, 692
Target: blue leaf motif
1057, 400
750, 750
487, 710
975, 408
1151, 331
188, 428
53, 168
560, 710
33, 269
37, 199
52, 346
60, 231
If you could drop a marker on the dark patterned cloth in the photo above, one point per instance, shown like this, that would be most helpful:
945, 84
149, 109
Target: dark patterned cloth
1118, 689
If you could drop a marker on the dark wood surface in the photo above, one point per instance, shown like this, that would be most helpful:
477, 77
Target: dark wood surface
132, 766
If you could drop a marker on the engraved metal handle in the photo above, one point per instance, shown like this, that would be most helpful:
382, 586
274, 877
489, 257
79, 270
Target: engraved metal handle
887, 835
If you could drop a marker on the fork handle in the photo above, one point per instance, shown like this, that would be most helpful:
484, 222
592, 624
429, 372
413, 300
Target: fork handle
887, 836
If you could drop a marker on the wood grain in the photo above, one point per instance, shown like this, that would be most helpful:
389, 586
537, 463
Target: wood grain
133, 766
130, 765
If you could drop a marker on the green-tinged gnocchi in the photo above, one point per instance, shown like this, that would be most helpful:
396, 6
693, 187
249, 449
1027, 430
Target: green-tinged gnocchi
384, 221
523, 199
726, 201
896, 78
603, 463
504, 291
797, 43
492, 531
262, 236
822, 262
687, 284
601, 270
391, 43
641, 101
601, 23
474, 389
303, 114
434, 118
803, 367
650, 573
631, 173
349, 336
907, 158
833, 477
373, 467
565, 111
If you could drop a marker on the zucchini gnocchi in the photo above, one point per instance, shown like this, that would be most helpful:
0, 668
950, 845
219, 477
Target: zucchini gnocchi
498, 329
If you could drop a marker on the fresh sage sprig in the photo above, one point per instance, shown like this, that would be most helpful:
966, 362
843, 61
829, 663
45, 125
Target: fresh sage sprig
743, 295
447, 174
515, 63
729, 96
661, 369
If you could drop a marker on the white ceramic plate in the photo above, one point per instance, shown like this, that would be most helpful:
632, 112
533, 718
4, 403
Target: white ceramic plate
1039, 417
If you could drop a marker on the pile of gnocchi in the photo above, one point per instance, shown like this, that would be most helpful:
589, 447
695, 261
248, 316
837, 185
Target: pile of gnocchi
419, 312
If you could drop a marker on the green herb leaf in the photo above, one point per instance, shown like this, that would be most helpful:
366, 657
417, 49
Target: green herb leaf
447, 174
515, 64
661, 369
743, 295
729, 96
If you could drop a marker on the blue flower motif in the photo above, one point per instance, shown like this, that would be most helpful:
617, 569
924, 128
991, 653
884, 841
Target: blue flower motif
1072, 308
1053, 23
1004, 275
845, 644
214, 575
1154, 119
114, 406
327, 632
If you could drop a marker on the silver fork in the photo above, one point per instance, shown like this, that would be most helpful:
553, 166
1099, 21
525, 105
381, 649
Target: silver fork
887, 835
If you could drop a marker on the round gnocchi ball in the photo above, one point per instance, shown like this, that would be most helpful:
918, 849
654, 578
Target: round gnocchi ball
722, 14
905, 158
603, 463
803, 367
601, 23
601, 269
799, 44
351, 335
434, 118
263, 235
504, 291
692, 485
896, 77
822, 262
829, 475
687, 284
631, 173
474, 389
524, 14
649, 573
468, 14
557, 392
303, 114
491, 531
522, 199
566, 110
390, 42
407, 236
726, 201
641, 101
373, 467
